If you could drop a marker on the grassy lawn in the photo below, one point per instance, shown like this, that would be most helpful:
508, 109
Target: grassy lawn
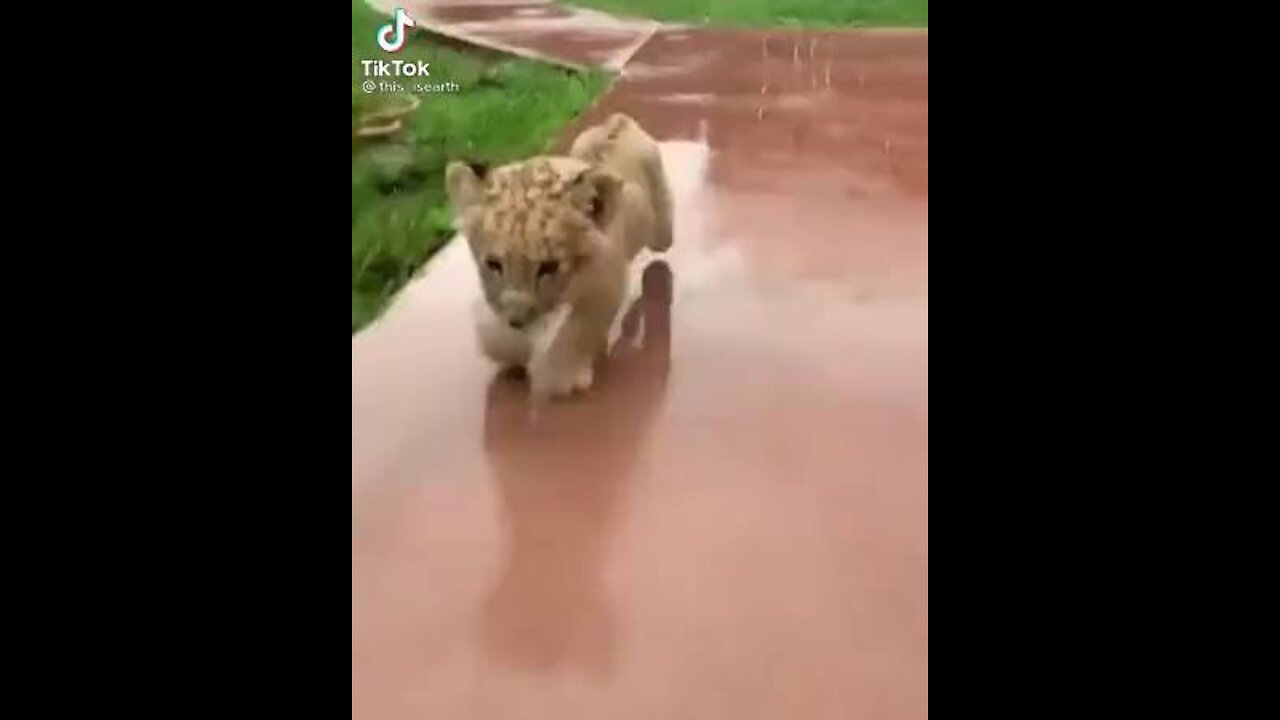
506, 109
762, 13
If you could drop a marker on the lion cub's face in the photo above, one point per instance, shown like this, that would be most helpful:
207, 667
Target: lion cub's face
532, 227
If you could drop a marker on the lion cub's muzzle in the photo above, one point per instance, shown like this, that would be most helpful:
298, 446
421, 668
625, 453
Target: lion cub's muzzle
518, 309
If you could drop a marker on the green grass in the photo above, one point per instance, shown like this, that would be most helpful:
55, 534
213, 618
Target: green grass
766, 13
506, 109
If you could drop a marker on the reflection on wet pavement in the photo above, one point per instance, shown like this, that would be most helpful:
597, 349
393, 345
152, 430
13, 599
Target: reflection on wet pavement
736, 523
550, 605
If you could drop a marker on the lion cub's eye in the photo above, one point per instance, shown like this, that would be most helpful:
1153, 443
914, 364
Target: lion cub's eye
493, 264
548, 268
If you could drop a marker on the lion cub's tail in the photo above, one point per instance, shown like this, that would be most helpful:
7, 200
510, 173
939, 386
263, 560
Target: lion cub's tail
595, 144
616, 123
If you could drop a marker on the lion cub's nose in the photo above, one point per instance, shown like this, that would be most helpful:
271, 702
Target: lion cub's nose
517, 307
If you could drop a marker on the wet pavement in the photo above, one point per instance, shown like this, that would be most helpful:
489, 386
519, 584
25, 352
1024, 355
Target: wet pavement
539, 29
734, 523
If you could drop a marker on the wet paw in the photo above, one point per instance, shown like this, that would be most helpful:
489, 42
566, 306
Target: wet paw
556, 383
584, 378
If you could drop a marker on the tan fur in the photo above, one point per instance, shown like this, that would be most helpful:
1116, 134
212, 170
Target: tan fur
559, 232
621, 145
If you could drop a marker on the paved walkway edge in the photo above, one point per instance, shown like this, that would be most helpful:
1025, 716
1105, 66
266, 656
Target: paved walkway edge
445, 31
449, 30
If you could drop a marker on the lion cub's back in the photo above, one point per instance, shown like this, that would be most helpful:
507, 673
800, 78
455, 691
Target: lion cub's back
620, 145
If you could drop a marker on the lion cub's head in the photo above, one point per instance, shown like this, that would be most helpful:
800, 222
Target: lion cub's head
532, 227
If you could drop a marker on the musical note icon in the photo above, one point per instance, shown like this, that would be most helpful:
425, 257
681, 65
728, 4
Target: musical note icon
392, 36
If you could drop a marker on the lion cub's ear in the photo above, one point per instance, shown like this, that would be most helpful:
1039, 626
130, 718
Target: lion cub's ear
603, 191
465, 184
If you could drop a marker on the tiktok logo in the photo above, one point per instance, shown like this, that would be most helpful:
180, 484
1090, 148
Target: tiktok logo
392, 36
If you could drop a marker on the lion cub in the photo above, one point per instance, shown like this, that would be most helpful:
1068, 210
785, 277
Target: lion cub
552, 239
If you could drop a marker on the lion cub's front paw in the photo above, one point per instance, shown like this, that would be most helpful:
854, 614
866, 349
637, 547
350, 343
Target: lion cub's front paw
583, 379
547, 381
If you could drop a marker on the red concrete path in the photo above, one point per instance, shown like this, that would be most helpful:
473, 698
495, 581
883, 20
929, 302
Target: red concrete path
735, 523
